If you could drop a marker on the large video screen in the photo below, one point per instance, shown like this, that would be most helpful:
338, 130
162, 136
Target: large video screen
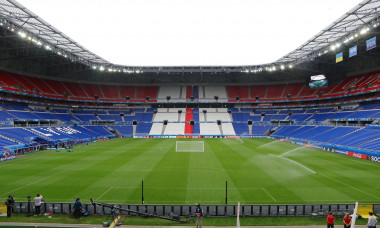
318, 81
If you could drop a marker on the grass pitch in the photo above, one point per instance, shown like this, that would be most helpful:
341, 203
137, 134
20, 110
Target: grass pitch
258, 171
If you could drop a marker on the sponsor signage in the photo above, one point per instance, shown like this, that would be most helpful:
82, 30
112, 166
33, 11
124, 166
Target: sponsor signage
353, 51
371, 43
356, 155
7, 158
374, 158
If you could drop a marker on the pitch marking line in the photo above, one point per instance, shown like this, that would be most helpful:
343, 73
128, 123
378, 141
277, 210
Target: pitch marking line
104, 193
291, 151
34, 182
350, 186
294, 162
267, 144
269, 194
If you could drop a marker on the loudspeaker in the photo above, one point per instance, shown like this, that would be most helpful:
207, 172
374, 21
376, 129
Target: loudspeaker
180, 111
191, 122
216, 98
249, 122
289, 95
155, 111
96, 114
192, 98
96, 97
257, 97
237, 98
204, 111
168, 98
134, 122
121, 114
127, 98
165, 122
219, 122
147, 98
229, 111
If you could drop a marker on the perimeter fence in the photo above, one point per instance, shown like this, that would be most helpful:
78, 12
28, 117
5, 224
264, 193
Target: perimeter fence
209, 210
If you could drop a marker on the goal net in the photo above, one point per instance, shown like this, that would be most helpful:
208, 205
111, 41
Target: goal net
189, 146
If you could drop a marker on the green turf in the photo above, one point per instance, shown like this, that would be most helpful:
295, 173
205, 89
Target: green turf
258, 171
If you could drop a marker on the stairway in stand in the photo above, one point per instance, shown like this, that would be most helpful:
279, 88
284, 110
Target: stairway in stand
188, 126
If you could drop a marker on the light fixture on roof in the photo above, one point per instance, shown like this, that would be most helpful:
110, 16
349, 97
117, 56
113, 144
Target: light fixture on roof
290, 66
101, 68
282, 67
94, 67
22, 34
363, 31
332, 47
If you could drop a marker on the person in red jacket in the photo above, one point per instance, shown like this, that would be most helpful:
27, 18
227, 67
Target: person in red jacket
330, 220
347, 220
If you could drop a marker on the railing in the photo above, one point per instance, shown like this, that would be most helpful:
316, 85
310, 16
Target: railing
209, 210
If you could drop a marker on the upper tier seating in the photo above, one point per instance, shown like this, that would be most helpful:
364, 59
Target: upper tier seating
176, 93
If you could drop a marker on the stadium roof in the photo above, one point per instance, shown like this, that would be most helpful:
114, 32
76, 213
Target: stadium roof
358, 20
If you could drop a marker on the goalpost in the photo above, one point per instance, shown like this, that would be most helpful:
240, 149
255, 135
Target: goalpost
189, 146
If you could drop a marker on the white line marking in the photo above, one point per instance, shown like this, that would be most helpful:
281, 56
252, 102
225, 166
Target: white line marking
269, 195
33, 182
267, 144
294, 162
290, 151
350, 186
104, 193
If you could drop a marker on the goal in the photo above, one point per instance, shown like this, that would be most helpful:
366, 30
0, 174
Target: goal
189, 146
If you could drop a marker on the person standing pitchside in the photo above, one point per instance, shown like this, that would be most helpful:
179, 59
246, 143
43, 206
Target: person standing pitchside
371, 221
37, 204
199, 214
330, 220
77, 208
347, 220
10, 203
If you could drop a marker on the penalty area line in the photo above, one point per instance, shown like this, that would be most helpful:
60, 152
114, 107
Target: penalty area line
34, 182
104, 193
269, 194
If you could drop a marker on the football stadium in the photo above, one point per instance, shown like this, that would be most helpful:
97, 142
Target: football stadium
296, 138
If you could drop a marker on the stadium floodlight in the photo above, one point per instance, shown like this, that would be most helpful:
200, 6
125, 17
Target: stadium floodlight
101, 68
39, 43
22, 34
332, 47
290, 66
282, 67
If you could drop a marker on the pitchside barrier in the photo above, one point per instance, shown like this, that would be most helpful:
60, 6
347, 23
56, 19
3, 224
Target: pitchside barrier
209, 210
